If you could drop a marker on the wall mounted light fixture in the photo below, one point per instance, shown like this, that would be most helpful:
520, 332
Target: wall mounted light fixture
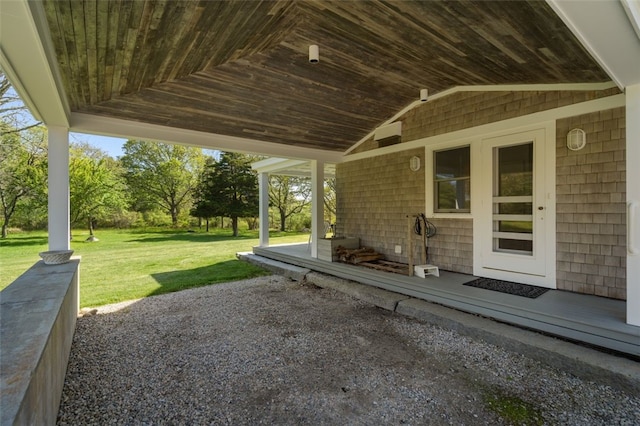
414, 163
314, 54
576, 139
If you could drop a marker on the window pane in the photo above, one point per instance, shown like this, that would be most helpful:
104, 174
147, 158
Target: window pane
452, 180
453, 195
453, 163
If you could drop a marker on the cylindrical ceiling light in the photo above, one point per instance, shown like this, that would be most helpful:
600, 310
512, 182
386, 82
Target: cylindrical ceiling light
424, 95
314, 54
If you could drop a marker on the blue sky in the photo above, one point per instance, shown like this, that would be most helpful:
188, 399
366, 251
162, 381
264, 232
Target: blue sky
112, 146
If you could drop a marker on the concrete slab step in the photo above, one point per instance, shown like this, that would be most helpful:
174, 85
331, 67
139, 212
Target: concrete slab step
376, 296
288, 270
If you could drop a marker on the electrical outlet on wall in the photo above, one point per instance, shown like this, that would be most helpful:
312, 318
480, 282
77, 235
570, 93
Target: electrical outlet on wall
398, 249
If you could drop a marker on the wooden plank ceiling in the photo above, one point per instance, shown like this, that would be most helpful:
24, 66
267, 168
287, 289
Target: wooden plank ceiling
241, 68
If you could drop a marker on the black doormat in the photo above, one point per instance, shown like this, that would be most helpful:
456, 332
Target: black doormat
523, 290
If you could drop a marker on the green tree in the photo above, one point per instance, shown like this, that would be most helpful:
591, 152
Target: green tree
23, 170
161, 175
330, 199
97, 187
289, 196
204, 207
231, 187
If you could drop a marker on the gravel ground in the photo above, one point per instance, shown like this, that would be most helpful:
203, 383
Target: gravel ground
269, 350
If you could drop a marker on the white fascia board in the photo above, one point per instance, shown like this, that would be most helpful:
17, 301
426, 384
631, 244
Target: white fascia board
87, 123
632, 8
607, 33
28, 59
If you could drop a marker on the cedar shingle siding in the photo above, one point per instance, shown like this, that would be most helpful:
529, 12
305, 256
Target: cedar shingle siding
591, 216
376, 194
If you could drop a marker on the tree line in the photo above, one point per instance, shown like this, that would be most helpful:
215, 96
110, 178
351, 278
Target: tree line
151, 184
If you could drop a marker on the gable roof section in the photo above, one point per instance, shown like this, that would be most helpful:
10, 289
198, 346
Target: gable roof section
240, 69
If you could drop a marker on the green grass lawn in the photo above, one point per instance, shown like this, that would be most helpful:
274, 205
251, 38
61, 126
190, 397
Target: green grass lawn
130, 264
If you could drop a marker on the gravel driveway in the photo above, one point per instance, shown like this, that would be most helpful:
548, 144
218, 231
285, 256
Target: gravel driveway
270, 350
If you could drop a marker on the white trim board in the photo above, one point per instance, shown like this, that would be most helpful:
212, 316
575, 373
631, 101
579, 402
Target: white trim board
573, 87
540, 269
607, 33
470, 133
478, 180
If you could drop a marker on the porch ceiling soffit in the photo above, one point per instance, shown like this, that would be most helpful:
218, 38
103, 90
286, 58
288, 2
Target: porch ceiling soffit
610, 31
241, 69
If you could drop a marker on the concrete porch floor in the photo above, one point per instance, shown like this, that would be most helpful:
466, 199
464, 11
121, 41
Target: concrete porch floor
588, 319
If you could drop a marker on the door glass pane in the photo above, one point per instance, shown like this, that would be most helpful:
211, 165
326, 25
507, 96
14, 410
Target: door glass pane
505, 244
515, 208
513, 199
515, 168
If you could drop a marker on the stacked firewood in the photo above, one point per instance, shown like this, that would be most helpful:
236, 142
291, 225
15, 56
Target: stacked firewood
356, 256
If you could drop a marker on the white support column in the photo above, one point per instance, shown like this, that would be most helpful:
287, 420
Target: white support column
263, 185
317, 204
633, 204
58, 153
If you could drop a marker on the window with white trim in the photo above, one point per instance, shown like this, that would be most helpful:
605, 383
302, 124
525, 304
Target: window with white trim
452, 180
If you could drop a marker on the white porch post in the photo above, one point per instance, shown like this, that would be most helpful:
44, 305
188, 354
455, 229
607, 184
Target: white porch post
633, 203
263, 185
58, 153
317, 204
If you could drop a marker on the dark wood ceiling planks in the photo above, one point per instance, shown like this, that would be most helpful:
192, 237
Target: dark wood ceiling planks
240, 68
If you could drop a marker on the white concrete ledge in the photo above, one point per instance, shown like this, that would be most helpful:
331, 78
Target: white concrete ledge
295, 273
38, 314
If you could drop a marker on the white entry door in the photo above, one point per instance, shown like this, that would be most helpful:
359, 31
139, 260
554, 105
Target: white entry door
514, 220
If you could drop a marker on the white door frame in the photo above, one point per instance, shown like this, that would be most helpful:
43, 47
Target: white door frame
544, 258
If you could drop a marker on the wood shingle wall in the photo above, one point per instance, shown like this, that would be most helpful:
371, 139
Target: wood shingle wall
463, 110
376, 194
374, 198
591, 216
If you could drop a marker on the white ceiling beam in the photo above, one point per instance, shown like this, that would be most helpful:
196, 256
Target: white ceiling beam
288, 167
271, 165
606, 32
86, 123
27, 58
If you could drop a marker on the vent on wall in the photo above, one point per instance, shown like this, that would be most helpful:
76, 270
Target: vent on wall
388, 134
